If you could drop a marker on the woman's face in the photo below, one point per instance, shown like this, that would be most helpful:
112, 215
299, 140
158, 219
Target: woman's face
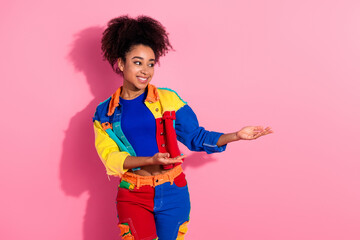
138, 67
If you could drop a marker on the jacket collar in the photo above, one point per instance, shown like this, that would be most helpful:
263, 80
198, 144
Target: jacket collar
152, 96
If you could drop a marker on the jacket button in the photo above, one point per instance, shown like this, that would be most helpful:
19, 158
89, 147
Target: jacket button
163, 145
156, 109
161, 133
161, 121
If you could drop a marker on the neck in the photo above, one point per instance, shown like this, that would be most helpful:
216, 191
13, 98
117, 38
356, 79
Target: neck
128, 93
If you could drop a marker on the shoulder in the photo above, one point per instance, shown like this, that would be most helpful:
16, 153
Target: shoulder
170, 98
169, 93
101, 110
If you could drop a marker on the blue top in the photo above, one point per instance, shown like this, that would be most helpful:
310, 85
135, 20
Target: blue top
139, 126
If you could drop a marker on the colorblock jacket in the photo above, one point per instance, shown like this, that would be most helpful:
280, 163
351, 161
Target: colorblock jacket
174, 119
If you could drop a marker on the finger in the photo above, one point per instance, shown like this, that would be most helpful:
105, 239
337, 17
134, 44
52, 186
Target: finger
173, 160
180, 157
163, 159
257, 135
164, 155
258, 128
258, 131
268, 130
263, 133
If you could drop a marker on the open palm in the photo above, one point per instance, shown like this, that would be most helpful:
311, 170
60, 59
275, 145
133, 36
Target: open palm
253, 132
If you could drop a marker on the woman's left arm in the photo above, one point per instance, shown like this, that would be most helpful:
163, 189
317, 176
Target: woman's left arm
246, 133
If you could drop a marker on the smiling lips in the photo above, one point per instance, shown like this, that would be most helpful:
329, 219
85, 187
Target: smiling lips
142, 79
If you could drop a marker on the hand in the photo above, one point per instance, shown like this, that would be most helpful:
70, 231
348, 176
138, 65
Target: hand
164, 159
252, 132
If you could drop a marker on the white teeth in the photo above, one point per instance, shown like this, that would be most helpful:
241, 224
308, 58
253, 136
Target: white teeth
142, 78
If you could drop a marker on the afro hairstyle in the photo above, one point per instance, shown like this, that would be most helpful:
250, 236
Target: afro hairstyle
122, 33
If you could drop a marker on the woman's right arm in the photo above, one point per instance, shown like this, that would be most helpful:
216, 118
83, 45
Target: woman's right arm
157, 159
118, 162
109, 152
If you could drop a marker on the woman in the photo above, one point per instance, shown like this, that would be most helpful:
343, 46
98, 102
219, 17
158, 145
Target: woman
136, 133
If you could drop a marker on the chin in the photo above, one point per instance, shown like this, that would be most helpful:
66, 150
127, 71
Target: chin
142, 85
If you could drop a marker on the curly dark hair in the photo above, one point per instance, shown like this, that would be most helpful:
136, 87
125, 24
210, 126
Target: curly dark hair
123, 32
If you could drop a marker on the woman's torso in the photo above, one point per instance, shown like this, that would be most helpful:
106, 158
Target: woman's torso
139, 127
150, 170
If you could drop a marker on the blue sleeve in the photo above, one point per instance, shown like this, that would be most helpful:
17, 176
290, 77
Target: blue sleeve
193, 136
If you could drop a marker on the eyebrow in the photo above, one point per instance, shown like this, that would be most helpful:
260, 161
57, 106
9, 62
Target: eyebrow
143, 58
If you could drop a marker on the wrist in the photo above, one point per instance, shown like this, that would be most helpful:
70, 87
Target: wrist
237, 136
150, 160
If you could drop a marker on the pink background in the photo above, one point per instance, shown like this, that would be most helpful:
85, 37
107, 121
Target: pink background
292, 65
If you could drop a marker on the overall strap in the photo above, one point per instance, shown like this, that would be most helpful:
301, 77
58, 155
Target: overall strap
171, 141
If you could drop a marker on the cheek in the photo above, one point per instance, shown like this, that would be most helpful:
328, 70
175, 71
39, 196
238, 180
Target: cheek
129, 71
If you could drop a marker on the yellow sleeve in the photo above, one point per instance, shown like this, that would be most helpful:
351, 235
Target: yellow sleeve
109, 152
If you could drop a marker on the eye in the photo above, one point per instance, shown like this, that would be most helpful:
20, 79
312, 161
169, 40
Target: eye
137, 63
151, 65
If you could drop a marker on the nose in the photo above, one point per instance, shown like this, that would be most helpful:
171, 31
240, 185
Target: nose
144, 70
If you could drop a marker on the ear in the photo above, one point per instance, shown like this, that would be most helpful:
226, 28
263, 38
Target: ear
121, 64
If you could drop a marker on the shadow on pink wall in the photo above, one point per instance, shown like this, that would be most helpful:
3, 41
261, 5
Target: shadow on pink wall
81, 170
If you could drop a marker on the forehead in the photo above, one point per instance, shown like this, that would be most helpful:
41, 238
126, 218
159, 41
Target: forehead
141, 51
